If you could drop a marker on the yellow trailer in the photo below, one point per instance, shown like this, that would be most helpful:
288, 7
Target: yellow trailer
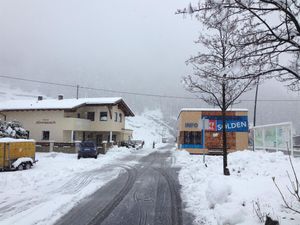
16, 154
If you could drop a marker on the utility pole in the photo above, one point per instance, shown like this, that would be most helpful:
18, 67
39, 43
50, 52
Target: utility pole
255, 103
77, 91
254, 113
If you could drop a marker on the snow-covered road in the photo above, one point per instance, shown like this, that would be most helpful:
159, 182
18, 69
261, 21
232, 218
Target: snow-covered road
146, 193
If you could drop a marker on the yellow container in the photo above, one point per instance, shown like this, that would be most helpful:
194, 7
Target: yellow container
12, 149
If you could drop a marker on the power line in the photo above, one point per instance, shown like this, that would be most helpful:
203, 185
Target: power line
96, 89
133, 93
37, 81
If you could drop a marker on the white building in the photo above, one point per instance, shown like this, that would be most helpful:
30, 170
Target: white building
67, 120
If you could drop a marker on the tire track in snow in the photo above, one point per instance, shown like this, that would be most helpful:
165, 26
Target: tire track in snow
176, 211
105, 212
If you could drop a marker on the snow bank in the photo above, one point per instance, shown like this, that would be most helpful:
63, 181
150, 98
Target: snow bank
217, 192
218, 200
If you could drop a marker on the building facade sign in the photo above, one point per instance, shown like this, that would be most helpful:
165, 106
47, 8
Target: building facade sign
191, 125
233, 123
45, 121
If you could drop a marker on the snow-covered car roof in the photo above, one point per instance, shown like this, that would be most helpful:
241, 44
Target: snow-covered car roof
62, 104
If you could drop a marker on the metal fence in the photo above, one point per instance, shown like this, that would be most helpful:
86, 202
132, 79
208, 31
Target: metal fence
275, 137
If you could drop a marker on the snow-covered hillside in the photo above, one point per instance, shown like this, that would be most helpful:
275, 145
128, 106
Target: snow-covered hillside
149, 126
218, 200
9, 93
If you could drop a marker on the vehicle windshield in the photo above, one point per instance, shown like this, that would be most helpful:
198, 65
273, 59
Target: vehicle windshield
87, 144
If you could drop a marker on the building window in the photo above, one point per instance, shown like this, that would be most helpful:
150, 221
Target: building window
192, 137
103, 116
120, 115
116, 117
91, 116
46, 135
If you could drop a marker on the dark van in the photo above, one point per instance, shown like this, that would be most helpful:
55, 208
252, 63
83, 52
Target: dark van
87, 149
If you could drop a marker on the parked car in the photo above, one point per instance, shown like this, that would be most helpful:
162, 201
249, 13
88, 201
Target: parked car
128, 144
87, 149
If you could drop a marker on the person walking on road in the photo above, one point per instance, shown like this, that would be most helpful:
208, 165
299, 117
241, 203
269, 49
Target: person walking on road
143, 144
153, 146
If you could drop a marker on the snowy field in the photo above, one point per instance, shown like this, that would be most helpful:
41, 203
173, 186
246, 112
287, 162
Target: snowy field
218, 200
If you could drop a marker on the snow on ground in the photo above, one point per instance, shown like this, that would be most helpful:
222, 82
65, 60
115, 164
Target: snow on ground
59, 181
149, 126
55, 184
215, 199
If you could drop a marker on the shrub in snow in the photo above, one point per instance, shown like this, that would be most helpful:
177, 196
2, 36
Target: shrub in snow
12, 129
217, 192
230, 213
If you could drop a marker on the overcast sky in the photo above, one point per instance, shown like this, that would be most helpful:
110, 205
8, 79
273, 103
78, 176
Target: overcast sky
133, 45
128, 45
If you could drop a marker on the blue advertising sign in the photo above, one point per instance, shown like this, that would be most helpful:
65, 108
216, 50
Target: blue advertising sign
233, 123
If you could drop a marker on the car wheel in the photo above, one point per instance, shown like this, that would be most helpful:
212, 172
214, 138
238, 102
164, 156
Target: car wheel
78, 157
20, 167
27, 166
96, 157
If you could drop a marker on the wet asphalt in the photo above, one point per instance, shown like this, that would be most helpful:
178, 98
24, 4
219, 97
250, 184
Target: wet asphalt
145, 194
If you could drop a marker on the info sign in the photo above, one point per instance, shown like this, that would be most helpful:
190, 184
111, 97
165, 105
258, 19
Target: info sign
233, 123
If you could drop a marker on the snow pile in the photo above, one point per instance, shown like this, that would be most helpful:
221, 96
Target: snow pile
218, 200
149, 126
56, 183
12, 129
217, 192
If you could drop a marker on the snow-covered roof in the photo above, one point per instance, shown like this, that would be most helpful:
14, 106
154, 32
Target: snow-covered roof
211, 109
6, 140
47, 104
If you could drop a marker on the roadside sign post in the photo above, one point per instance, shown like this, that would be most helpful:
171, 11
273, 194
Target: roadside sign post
203, 122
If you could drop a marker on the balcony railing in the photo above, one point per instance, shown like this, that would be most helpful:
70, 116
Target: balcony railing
77, 124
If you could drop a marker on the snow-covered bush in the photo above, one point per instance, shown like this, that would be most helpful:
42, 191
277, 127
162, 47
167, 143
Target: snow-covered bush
217, 192
12, 129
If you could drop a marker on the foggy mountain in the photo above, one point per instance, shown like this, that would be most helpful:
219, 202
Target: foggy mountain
124, 46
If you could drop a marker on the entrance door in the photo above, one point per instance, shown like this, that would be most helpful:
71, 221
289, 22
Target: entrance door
98, 139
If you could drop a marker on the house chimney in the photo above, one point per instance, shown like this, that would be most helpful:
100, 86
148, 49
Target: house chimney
40, 98
60, 97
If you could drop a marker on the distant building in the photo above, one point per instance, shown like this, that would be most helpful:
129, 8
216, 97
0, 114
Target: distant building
196, 140
67, 120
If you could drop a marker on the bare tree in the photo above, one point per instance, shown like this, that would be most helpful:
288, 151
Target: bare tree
269, 30
214, 69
